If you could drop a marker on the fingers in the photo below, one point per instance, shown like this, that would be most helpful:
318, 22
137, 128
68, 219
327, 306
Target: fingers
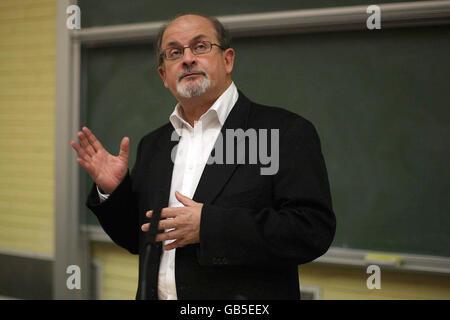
83, 158
80, 151
180, 225
170, 212
90, 145
86, 165
85, 144
89, 142
124, 149
188, 202
169, 235
162, 225
93, 142
173, 245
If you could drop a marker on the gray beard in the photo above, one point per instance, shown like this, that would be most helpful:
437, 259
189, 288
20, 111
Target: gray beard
189, 90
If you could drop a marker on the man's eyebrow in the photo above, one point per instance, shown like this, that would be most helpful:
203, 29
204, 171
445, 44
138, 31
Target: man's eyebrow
176, 43
173, 43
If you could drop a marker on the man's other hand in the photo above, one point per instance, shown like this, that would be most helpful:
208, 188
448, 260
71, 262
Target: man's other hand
184, 222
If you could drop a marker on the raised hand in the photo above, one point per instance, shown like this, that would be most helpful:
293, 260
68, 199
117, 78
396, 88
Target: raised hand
106, 170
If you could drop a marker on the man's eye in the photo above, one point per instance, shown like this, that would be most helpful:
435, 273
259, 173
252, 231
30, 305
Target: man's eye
199, 47
174, 52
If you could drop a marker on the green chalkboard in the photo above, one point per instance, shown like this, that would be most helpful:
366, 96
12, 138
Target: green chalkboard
379, 100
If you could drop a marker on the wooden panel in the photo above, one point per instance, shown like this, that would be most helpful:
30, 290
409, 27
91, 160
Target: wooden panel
349, 283
27, 59
120, 271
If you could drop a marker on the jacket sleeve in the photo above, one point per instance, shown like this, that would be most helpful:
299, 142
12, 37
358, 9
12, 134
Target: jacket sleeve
118, 215
298, 228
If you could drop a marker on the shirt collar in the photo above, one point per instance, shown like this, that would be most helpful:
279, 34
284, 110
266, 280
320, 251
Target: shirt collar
219, 110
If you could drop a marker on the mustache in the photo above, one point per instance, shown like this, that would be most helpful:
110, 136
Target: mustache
191, 70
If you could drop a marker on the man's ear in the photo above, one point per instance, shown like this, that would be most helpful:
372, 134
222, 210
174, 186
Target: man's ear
162, 74
228, 55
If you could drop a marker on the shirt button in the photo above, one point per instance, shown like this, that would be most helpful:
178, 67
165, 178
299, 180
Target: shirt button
171, 266
190, 167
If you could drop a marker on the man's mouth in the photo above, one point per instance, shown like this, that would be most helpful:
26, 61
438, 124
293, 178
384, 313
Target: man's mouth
190, 75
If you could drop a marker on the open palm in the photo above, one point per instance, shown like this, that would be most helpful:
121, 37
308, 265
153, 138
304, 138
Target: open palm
106, 170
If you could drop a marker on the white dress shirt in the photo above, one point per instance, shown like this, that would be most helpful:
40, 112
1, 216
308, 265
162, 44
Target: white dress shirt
193, 151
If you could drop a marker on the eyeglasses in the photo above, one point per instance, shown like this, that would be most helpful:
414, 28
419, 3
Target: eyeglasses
197, 48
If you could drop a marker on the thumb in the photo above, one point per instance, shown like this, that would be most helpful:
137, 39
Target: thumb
188, 202
124, 149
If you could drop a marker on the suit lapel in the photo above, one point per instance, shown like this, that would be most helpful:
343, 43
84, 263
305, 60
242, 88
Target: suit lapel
162, 177
215, 176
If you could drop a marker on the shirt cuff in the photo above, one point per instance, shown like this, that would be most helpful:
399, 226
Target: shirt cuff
102, 196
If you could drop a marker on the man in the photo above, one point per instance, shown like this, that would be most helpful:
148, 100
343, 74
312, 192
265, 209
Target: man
228, 229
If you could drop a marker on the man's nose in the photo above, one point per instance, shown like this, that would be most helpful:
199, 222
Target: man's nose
189, 58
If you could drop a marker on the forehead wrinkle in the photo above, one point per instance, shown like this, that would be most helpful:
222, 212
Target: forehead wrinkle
176, 43
194, 23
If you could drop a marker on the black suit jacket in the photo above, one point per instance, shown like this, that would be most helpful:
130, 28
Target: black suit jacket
255, 229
